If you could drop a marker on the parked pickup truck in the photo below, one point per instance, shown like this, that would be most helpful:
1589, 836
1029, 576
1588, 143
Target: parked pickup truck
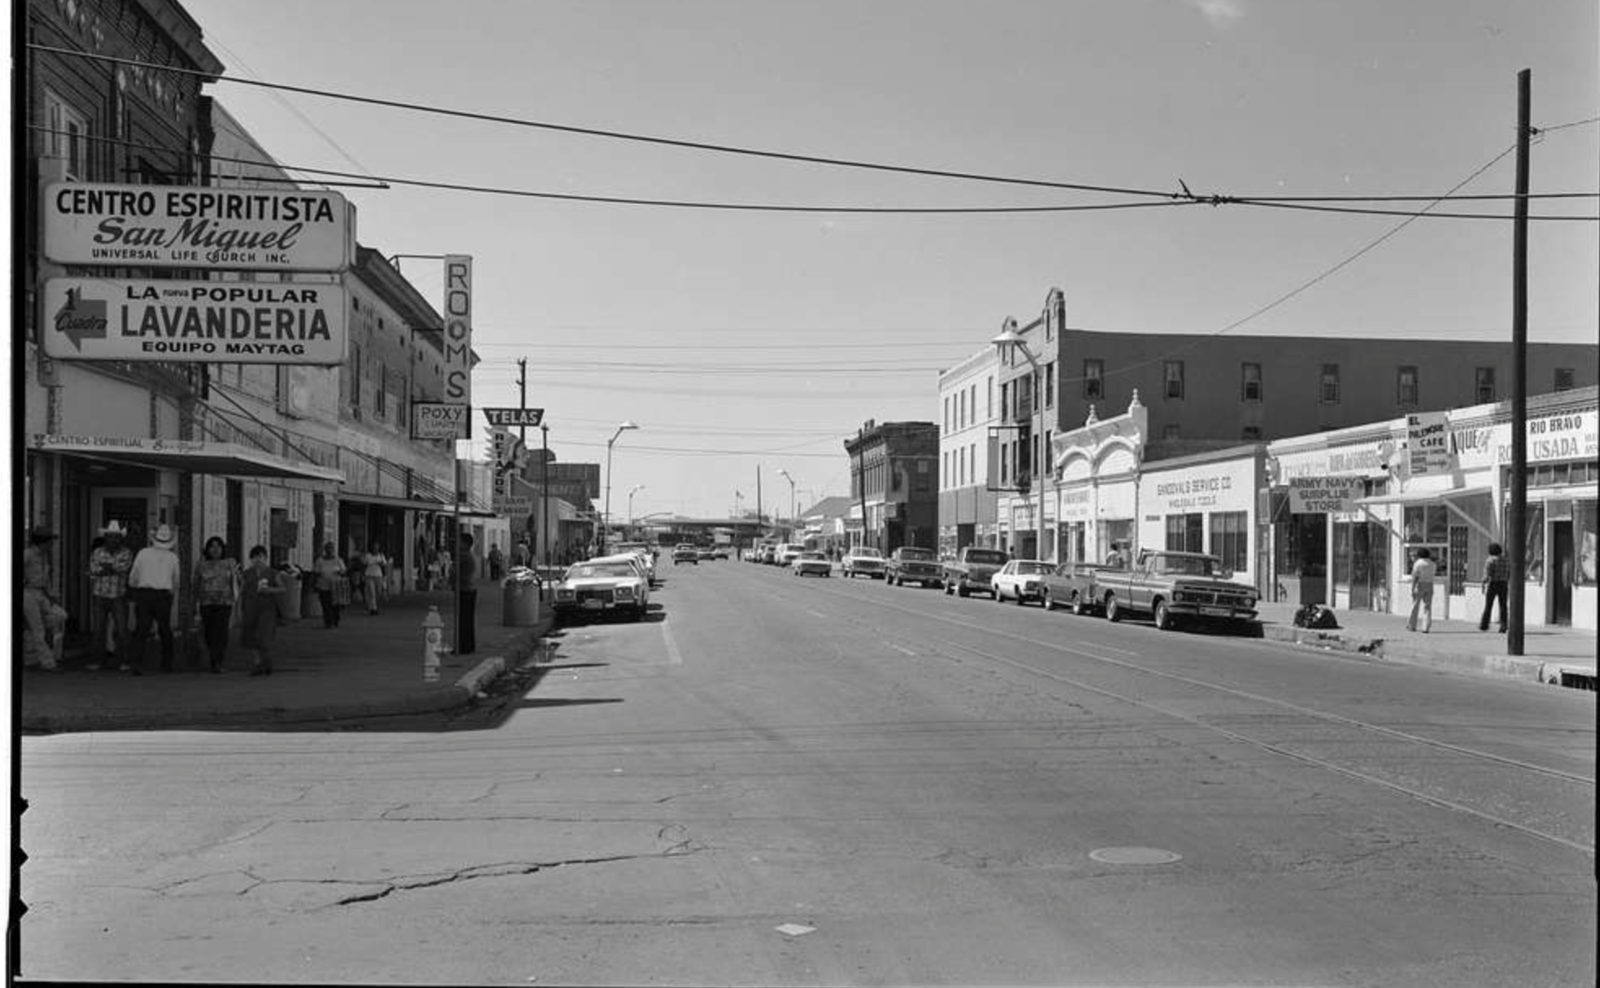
909, 564
1173, 586
972, 570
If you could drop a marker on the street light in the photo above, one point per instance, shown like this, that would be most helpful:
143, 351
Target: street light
792, 526
636, 488
1008, 336
605, 519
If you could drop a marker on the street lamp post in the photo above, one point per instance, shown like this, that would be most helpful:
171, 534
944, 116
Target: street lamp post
605, 519
636, 488
1008, 336
792, 520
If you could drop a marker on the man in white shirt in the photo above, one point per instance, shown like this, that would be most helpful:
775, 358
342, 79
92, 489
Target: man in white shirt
154, 581
1422, 573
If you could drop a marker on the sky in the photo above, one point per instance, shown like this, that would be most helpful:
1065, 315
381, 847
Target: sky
742, 340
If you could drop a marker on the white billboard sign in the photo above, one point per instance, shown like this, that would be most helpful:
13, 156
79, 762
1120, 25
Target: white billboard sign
1315, 495
231, 322
196, 227
1428, 440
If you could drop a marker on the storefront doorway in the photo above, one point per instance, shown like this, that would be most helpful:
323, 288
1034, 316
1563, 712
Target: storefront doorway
1563, 562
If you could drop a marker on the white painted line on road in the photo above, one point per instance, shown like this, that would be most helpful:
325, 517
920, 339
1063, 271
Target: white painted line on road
674, 657
1108, 648
817, 614
897, 648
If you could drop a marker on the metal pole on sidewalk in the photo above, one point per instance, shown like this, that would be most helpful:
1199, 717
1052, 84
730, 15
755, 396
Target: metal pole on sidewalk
544, 493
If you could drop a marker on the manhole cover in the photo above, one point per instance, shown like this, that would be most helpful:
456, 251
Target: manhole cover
1134, 855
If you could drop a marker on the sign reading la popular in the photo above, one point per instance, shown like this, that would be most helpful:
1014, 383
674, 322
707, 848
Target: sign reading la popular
197, 227
201, 321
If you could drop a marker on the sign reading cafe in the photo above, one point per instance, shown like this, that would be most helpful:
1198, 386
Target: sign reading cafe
202, 321
196, 227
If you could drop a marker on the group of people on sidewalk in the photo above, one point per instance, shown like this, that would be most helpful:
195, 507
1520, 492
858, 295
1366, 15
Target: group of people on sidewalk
1496, 581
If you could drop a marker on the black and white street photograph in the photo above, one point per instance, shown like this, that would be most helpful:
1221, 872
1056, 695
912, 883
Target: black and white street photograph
735, 492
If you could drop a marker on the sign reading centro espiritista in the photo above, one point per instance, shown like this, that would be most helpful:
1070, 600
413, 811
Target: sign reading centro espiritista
201, 321
197, 227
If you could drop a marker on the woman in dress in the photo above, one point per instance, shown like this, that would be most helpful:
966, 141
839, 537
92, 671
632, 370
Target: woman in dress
258, 604
374, 571
216, 581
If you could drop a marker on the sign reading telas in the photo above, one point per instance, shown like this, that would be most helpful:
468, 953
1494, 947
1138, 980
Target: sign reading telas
514, 416
202, 321
196, 227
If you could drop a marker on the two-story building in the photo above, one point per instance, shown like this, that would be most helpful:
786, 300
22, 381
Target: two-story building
969, 410
894, 484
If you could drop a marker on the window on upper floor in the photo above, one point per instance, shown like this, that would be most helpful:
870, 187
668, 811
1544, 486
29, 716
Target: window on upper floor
1328, 385
947, 414
380, 396
1173, 376
355, 376
1564, 379
1050, 384
1250, 383
1406, 387
1171, 432
972, 404
66, 136
972, 461
1005, 398
989, 402
1484, 384
1250, 433
1094, 372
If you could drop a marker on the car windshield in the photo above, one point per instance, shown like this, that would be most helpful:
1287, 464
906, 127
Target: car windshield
922, 555
811, 555
1186, 565
988, 557
1030, 568
865, 552
584, 571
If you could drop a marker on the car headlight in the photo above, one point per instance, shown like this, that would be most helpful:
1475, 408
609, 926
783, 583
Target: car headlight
563, 593
624, 591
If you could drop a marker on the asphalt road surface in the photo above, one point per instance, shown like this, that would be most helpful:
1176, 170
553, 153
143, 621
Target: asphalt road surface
795, 781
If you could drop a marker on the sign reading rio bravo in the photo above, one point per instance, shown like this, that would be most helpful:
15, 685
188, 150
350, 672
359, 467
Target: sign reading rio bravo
197, 227
201, 321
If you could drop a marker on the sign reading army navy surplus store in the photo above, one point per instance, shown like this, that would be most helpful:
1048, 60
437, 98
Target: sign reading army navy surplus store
201, 321
197, 227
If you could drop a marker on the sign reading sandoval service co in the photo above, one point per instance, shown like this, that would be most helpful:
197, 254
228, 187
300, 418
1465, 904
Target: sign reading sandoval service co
201, 321
196, 227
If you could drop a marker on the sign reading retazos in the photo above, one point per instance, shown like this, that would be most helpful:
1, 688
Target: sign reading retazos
196, 227
202, 321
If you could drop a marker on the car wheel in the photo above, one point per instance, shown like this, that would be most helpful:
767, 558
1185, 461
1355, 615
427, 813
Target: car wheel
1077, 604
961, 590
1113, 612
1020, 600
1163, 616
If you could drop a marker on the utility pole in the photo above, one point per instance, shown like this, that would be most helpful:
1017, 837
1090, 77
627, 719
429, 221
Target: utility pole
522, 395
544, 492
1518, 522
759, 533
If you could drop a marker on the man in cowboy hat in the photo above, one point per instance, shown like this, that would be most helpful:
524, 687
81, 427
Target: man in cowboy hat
154, 579
109, 564
44, 621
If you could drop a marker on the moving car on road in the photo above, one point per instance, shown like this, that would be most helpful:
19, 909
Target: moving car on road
913, 564
685, 553
814, 563
1072, 585
1020, 580
602, 585
1174, 586
862, 560
971, 570
786, 552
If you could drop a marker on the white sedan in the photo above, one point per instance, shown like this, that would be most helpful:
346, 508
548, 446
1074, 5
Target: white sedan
1021, 580
814, 563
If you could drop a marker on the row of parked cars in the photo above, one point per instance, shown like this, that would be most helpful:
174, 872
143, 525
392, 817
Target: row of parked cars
1168, 587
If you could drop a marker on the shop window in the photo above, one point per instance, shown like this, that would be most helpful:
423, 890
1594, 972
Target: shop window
1250, 383
1343, 548
1564, 378
1250, 433
1186, 533
1093, 380
1533, 542
1406, 387
1230, 539
1483, 384
1427, 524
1583, 534
1173, 376
1328, 385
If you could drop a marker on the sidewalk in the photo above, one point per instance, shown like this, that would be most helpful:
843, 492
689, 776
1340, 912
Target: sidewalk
1558, 656
368, 666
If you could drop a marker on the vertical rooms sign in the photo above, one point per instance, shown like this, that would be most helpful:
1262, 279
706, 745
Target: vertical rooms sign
458, 329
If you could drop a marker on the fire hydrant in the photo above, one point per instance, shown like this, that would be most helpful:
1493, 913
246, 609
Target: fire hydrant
432, 642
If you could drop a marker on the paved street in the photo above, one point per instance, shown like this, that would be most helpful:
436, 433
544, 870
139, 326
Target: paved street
780, 780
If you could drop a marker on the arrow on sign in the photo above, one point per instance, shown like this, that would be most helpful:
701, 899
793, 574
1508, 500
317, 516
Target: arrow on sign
81, 320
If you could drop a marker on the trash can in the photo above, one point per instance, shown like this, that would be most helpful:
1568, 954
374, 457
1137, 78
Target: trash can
519, 599
291, 596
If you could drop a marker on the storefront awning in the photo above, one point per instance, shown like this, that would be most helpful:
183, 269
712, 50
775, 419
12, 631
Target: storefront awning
1422, 497
386, 501
192, 456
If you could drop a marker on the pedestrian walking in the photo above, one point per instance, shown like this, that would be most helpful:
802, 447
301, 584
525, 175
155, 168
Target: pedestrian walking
374, 573
109, 565
261, 587
497, 562
44, 620
467, 599
519, 555
216, 589
154, 581
1422, 573
333, 587
1496, 581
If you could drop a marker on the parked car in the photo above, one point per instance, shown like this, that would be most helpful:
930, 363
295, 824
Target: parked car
685, 553
1072, 585
639, 563
1020, 580
720, 552
603, 585
913, 564
971, 570
862, 560
1174, 586
706, 553
769, 554
786, 552
645, 552
814, 563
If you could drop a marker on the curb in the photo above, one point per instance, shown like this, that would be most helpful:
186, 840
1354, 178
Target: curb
1504, 666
